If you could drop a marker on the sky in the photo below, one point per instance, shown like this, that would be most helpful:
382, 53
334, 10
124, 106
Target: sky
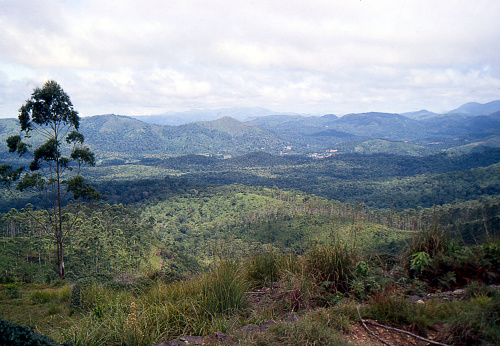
315, 57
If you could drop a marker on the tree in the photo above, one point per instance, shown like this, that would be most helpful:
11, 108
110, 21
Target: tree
56, 164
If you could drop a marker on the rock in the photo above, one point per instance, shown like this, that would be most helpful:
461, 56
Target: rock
170, 343
255, 328
414, 298
192, 340
221, 336
185, 340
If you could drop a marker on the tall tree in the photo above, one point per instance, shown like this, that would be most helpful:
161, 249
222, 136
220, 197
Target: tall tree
56, 164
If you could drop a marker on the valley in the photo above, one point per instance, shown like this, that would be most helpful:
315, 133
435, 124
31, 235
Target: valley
326, 212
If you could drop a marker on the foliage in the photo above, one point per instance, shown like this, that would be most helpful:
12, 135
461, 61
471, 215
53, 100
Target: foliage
394, 309
49, 113
443, 262
79, 299
217, 300
369, 279
380, 181
477, 322
419, 261
107, 241
17, 335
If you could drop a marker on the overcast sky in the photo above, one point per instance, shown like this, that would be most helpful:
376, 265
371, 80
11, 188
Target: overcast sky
315, 56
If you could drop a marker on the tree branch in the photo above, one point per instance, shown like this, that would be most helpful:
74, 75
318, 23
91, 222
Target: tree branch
407, 333
395, 330
369, 331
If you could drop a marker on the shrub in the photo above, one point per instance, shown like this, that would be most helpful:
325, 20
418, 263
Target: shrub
430, 241
396, 310
17, 335
391, 308
7, 279
13, 291
368, 280
476, 323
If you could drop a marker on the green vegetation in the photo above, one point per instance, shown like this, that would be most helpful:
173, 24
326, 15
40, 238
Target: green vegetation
55, 167
306, 303
108, 241
266, 248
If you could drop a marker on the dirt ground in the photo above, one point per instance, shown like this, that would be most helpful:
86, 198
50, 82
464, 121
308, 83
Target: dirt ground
360, 336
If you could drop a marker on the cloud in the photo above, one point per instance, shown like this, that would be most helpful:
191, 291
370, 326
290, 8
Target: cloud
318, 56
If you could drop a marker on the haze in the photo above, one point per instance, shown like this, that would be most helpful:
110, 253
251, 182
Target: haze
152, 56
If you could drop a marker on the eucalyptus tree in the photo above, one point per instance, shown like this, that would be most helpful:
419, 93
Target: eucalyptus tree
49, 136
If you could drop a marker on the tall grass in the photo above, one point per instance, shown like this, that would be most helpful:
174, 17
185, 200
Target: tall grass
160, 311
431, 241
60, 293
223, 288
476, 322
263, 268
331, 265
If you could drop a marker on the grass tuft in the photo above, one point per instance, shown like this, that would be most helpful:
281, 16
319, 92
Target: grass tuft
263, 268
331, 266
223, 288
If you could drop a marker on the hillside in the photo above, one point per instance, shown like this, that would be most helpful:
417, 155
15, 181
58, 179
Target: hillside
381, 125
199, 115
284, 229
123, 138
475, 108
126, 137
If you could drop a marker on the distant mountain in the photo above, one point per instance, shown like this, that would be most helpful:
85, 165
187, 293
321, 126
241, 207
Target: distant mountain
197, 115
382, 146
114, 135
333, 133
422, 114
230, 126
8, 127
273, 120
380, 125
484, 124
110, 134
474, 108
457, 124
127, 139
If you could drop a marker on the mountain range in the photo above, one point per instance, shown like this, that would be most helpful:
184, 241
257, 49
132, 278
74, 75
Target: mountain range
466, 128
251, 113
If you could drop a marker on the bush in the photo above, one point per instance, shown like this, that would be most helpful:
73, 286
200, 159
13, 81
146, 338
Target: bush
7, 279
81, 298
477, 322
368, 280
17, 335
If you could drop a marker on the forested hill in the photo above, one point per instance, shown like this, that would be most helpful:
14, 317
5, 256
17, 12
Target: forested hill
125, 138
293, 134
108, 135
